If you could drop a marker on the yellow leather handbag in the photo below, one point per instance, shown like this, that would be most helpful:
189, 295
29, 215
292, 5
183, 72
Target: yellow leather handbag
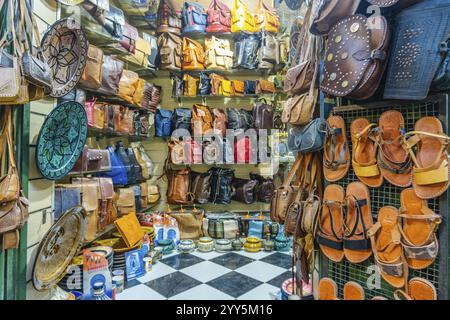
139, 92
130, 229
241, 18
127, 85
190, 85
226, 88
140, 56
267, 19
193, 55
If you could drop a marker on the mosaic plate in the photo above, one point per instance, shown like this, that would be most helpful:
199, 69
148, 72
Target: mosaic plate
61, 140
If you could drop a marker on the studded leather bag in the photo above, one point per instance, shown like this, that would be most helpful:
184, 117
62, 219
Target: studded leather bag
170, 51
193, 55
356, 57
169, 20
218, 54
219, 17
193, 17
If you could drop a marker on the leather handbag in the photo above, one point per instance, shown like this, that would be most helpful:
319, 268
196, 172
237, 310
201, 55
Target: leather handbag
177, 85
115, 22
221, 191
118, 172
125, 202
262, 115
269, 52
153, 56
238, 87
193, 17
265, 87
239, 119
127, 85
219, 17
129, 37
170, 51
410, 75
169, 20
218, 54
190, 85
246, 51
129, 228
112, 70
138, 95
144, 159
135, 165
126, 162
265, 188
299, 110
241, 18
92, 74
89, 161
204, 88
201, 186
249, 87
193, 55
220, 122
141, 54
163, 120
308, 139
215, 83
179, 186
153, 194
266, 19
202, 120
177, 152
359, 75
189, 223
124, 119
181, 119
330, 13
226, 88
244, 190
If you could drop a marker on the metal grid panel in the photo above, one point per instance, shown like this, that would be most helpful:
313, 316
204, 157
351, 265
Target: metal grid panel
384, 196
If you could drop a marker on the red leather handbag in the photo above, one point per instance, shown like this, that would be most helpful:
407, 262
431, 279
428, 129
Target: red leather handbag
243, 150
219, 17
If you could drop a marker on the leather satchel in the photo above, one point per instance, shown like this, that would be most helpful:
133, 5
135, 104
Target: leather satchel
92, 74
215, 83
193, 55
129, 37
266, 19
218, 54
246, 51
204, 88
125, 201
238, 87
181, 120
241, 18
189, 223
226, 88
265, 188
269, 52
308, 139
239, 119
169, 20
179, 186
127, 85
244, 190
163, 120
263, 115
112, 70
170, 51
265, 87
190, 85
219, 17
201, 186
89, 161
221, 191
365, 51
220, 122
202, 120
193, 17
299, 110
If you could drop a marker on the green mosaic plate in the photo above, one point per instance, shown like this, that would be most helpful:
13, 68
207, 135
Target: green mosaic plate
61, 140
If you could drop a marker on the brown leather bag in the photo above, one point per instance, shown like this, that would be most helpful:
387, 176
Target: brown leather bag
127, 85
190, 85
215, 83
264, 86
193, 55
177, 152
201, 186
111, 73
123, 119
89, 161
202, 120
179, 186
144, 194
299, 110
92, 74
170, 51
169, 20
189, 224
220, 122
138, 95
125, 201
238, 87
330, 12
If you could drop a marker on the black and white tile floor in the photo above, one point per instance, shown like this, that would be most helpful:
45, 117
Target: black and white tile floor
212, 276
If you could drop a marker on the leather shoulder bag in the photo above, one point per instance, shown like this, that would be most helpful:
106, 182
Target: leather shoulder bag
266, 19
178, 191
193, 55
92, 74
269, 53
201, 186
219, 17
193, 17
218, 54
263, 115
112, 70
169, 20
202, 120
170, 51
241, 18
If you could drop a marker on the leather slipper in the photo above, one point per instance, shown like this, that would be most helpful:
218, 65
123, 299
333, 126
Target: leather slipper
330, 230
353, 291
431, 171
418, 289
328, 289
387, 249
418, 228
364, 152
336, 152
394, 162
358, 221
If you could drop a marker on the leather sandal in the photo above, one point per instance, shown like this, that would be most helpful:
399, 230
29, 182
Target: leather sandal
353, 291
336, 152
418, 289
385, 237
431, 171
330, 230
358, 221
328, 289
418, 228
394, 162
364, 151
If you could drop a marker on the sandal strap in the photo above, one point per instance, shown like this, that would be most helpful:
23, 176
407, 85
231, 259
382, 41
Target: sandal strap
333, 231
332, 163
403, 293
403, 167
435, 221
358, 205
369, 169
431, 175
338, 245
426, 252
395, 269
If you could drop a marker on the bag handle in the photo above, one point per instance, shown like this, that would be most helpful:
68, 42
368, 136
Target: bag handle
293, 171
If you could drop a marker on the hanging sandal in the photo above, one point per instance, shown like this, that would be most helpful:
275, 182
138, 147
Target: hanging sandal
430, 172
328, 289
394, 162
336, 152
353, 291
358, 221
418, 228
330, 234
387, 249
365, 152
418, 289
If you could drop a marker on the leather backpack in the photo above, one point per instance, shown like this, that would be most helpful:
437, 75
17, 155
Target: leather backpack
194, 17
244, 190
220, 122
215, 83
219, 17
201, 186
239, 119
218, 54
193, 55
265, 188
241, 18
112, 70
246, 51
202, 120
136, 167
118, 172
266, 19
190, 85
126, 162
92, 74
204, 88
181, 119
221, 191
269, 52
163, 120
169, 20
170, 51
263, 115
177, 85
178, 191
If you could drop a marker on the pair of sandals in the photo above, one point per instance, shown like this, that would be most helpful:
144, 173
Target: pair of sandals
344, 222
404, 239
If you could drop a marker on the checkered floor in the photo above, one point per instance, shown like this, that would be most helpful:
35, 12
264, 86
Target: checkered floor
212, 276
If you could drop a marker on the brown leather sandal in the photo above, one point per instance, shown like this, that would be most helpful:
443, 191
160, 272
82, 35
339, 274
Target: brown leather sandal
353, 291
418, 289
431, 170
336, 152
418, 228
394, 162
331, 218
364, 152
328, 289
387, 249
358, 221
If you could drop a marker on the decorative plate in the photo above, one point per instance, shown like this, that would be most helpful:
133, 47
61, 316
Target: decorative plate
58, 248
65, 47
61, 140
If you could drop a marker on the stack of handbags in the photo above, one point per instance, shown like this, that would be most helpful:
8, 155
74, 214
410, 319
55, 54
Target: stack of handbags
193, 55
219, 17
170, 50
194, 17
169, 20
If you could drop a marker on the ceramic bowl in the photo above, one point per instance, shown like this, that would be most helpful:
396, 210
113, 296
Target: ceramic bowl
223, 245
253, 244
205, 244
186, 246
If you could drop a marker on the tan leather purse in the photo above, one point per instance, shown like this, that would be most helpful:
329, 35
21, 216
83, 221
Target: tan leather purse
123, 119
218, 54
190, 85
92, 74
264, 86
153, 194
99, 115
238, 87
202, 120
130, 229
193, 55
127, 85
170, 51
215, 83
189, 224
299, 110
125, 201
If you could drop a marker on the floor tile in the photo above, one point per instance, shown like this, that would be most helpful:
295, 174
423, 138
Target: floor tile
262, 292
261, 271
140, 292
278, 259
207, 255
232, 260
202, 292
173, 284
278, 280
205, 271
132, 283
254, 255
158, 270
234, 284
181, 261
